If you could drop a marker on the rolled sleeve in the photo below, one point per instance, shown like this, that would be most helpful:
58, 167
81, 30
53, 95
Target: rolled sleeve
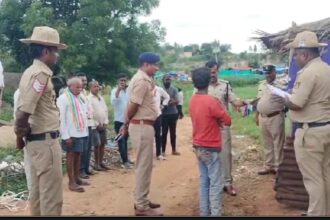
138, 92
33, 90
302, 89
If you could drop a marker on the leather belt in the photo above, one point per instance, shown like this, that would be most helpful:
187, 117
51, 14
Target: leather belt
42, 137
138, 122
312, 124
272, 114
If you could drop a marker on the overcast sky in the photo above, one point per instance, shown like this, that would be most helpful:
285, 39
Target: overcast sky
233, 21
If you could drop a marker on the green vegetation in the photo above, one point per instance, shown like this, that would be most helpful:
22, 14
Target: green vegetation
244, 80
111, 41
14, 182
6, 113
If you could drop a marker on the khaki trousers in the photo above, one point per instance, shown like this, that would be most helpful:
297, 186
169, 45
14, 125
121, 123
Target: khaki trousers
46, 195
142, 137
312, 147
273, 134
27, 168
226, 156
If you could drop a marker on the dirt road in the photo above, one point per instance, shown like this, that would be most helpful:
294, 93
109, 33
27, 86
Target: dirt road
175, 185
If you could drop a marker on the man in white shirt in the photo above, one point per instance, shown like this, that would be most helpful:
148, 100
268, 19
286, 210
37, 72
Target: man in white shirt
74, 130
180, 104
119, 101
86, 155
100, 116
162, 99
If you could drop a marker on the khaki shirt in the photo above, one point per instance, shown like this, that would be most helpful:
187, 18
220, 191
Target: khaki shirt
141, 90
269, 103
38, 98
311, 92
219, 91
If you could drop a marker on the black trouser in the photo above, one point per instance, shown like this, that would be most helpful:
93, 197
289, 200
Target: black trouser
158, 135
179, 107
86, 154
169, 122
122, 144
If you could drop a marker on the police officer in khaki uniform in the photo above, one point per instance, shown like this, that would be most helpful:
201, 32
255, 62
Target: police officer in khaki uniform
141, 114
310, 108
270, 117
223, 91
37, 123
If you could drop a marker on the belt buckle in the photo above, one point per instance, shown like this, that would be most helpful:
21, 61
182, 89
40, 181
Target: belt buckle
305, 126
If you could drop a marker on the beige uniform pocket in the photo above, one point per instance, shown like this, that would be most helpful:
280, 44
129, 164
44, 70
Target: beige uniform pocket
41, 155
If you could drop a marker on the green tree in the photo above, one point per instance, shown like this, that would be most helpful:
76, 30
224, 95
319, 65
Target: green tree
104, 37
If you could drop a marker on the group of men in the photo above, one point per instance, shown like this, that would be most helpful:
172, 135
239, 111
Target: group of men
80, 120
309, 111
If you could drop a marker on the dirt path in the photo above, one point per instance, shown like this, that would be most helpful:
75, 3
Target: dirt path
175, 184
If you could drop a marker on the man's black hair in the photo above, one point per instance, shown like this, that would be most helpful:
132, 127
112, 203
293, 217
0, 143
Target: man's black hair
121, 75
179, 89
212, 63
201, 77
36, 50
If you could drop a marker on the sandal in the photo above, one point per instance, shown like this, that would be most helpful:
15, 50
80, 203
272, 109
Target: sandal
76, 188
83, 183
230, 190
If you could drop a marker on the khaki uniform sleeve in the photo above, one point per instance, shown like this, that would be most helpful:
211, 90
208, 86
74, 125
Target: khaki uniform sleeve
303, 88
33, 90
138, 91
231, 95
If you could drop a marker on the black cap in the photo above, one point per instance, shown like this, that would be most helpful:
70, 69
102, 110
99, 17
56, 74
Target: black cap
268, 68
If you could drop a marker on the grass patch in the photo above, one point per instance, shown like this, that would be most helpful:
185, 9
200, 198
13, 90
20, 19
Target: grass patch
6, 113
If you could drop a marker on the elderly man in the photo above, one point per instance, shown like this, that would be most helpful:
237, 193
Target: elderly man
221, 90
270, 117
100, 117
74, 130
37, 123
86, 155
141, 115
309, 107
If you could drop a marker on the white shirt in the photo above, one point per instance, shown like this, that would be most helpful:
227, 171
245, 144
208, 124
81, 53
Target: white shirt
67, 128
100, 109
16, 94
161, 98
180, 98
119, 104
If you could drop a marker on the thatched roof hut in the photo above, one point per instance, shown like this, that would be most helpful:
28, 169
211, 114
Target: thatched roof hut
276, 42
